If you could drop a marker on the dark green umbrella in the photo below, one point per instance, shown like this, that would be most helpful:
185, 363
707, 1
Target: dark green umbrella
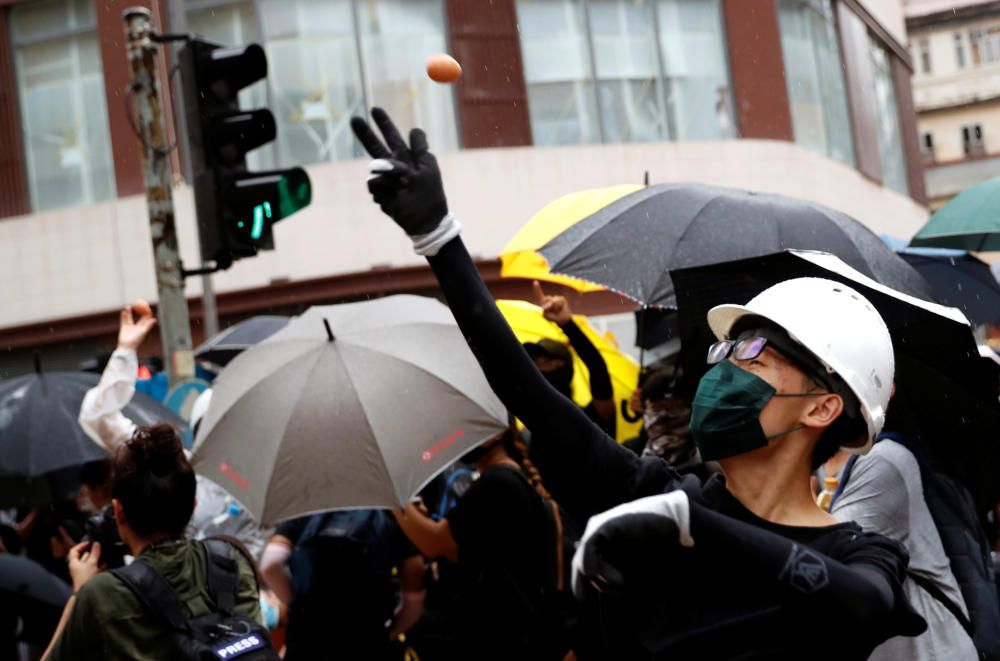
971, 221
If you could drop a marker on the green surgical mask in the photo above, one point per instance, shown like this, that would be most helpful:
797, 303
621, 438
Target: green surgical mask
725, 413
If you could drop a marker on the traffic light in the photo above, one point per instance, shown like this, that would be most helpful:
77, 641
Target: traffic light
236, 208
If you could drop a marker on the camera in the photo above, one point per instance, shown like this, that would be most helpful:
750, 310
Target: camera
101, 527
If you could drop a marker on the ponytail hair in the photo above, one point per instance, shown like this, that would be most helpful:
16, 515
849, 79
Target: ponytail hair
514, 443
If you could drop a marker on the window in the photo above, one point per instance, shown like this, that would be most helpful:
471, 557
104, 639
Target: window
975, 37
624, 70
972, 140
959, 50
64, 114
331, 59
887, 118
925, 55
927, 147
815, 78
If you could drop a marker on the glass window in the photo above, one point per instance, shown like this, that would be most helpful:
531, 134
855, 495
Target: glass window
64, 115
925, 56
624, 70
959, 50
972, 140
331, 59
397, 36
814, 76
889, 133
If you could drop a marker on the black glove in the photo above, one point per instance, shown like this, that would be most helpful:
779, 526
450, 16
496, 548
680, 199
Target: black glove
408, 185
630, 555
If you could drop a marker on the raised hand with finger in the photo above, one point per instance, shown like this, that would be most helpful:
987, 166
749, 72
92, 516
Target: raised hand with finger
554, 308
404, 179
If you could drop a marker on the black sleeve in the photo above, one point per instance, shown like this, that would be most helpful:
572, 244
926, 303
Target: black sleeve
600, 380
563, 436
738, 572
292, 529
864, 592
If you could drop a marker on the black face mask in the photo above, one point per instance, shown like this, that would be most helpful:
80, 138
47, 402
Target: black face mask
561, 379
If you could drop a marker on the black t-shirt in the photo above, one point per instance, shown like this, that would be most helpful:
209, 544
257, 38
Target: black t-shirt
507, 554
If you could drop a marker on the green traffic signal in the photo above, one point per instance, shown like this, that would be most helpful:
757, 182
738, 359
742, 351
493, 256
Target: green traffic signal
262, 199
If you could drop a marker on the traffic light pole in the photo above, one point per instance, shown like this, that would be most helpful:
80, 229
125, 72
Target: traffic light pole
175, 326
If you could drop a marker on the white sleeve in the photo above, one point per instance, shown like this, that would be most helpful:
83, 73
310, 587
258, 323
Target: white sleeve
101, 411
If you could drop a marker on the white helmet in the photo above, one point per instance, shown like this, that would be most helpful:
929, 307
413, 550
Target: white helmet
838, 326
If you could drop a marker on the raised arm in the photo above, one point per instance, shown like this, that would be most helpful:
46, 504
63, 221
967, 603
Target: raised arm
557, 310
101, 410
407, 186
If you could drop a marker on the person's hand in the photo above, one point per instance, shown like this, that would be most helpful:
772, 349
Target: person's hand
61, 544
84, 563
131, 333
554, 308
405, 180
622, 544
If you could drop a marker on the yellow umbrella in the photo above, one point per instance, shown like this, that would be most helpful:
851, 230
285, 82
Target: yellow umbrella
520, 259
530, 326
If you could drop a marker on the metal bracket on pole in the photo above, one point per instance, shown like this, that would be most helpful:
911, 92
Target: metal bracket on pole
175, 325
201, 270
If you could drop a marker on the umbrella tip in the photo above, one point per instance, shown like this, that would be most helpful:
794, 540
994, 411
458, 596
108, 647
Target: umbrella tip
645, 179
38, 363
329, 333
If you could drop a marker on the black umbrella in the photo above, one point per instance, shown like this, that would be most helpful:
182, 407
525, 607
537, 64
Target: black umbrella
632, 244
33, 595
39, 432
946, 395
228, 344
960, 280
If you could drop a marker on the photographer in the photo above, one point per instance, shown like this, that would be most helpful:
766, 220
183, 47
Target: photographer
153, 496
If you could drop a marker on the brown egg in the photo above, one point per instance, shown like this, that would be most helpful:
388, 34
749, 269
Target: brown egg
141, 307
443, 68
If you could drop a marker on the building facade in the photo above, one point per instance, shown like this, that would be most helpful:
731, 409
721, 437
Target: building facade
956, 91
809, 98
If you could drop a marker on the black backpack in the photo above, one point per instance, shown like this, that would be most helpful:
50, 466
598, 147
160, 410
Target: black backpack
221, 634
966, 546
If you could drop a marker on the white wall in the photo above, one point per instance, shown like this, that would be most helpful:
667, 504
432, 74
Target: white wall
85, 260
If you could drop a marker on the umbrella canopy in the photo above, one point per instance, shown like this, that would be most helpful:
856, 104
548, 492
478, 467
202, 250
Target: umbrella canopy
960, 280
529, 325
23, 580
971, 221
630, 244
946, 395
39, 432
223, 347
349, 406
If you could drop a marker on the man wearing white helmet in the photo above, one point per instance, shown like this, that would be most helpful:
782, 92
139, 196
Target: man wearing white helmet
742, 566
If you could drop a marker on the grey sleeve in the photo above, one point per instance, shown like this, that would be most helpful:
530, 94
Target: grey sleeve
876, 497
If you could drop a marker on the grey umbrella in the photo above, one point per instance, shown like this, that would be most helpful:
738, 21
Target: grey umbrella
355, 405
223, 347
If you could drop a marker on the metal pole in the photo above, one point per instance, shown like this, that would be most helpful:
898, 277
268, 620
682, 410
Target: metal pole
209, 312
175, 327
